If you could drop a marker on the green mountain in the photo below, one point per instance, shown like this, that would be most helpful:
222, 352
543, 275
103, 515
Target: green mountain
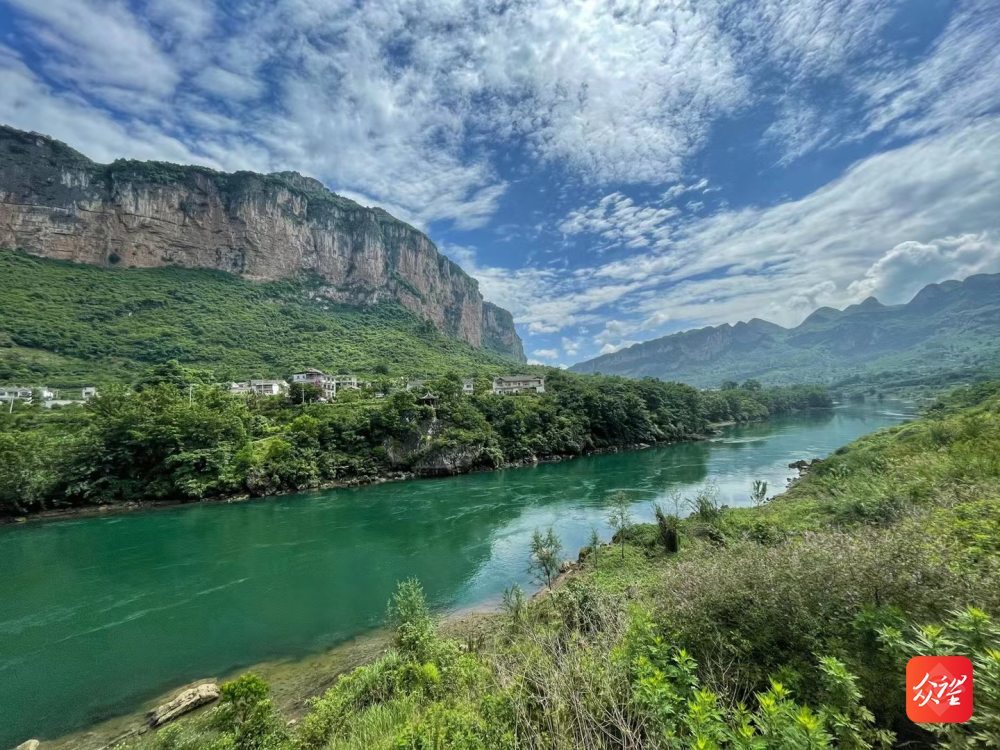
948, 330
67, 324
56, 203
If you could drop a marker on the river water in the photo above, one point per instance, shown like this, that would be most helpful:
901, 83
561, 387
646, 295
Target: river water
98, 614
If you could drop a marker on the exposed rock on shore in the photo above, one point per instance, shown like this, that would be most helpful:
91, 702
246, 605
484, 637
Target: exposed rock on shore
185, 702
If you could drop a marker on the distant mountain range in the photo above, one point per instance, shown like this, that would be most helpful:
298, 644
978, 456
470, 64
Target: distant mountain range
952, 327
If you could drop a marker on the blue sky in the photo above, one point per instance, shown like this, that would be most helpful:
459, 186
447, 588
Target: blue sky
609, 171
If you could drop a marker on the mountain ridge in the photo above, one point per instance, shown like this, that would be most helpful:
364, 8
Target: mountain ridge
952, 324
59, 204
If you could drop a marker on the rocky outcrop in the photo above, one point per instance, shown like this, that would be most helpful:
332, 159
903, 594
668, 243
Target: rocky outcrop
185, 702
56, 203
499, 333
446, 461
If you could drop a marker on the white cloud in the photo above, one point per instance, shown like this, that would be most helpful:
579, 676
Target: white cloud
546, 353
217, 80
866, 231
617, 219
570, 346
909, 266
954, 83
99, 43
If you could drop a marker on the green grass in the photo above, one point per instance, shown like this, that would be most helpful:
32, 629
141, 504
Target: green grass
65, 324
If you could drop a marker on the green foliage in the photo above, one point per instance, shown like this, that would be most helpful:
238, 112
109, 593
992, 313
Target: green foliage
971, 633
668, 527
69, 325
546, 555
620, 518
411, 618
247, 716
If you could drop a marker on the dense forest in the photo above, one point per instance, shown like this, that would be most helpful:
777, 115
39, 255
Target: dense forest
175, 436
778, 627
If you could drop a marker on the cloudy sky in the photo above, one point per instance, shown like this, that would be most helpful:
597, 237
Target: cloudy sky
609, 171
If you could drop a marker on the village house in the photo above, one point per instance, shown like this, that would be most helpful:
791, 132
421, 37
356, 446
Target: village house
88, 392
416, 385
509, 384
468, 386
268, 387
13, 393
326, 384
347, 382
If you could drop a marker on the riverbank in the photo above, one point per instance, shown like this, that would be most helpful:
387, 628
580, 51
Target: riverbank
162, 444
90, 511
215, 586
831, 585
294, 682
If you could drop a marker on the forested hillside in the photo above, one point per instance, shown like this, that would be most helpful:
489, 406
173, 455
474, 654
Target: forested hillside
67, 324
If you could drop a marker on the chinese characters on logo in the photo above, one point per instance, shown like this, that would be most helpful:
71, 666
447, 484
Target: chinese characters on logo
939, 689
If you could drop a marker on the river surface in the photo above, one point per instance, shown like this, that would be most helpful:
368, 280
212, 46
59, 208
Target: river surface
98, 614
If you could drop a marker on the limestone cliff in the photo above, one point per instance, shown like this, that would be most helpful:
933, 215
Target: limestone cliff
57, 203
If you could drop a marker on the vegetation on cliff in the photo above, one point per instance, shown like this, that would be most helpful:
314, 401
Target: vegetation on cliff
66, 324
177, 437
783, 626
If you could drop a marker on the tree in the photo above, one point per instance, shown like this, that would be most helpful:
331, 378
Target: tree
595, 544
546, 549
620, 517
669, 529
758, 493
751, 385
411, 618
304, 393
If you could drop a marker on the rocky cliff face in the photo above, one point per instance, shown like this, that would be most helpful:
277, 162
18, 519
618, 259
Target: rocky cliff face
56, 203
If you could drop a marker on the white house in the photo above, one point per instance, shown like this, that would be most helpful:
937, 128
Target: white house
12, 393
468, 386
318, 378
347, 382
268, 387
509, 384
88, 392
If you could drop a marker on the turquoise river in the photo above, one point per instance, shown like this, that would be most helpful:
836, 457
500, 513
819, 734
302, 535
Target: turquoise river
98, 614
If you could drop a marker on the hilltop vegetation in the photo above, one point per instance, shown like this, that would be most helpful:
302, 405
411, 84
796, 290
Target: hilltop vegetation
174, 440
67, 325
947, 334
780, 627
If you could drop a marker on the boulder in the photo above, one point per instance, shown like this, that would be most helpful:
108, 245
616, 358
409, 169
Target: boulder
29, 745
186, 701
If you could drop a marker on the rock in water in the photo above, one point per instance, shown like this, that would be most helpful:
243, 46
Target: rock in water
187, 700
29, 745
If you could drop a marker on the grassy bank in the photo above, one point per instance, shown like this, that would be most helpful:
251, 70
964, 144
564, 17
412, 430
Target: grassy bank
782, 626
